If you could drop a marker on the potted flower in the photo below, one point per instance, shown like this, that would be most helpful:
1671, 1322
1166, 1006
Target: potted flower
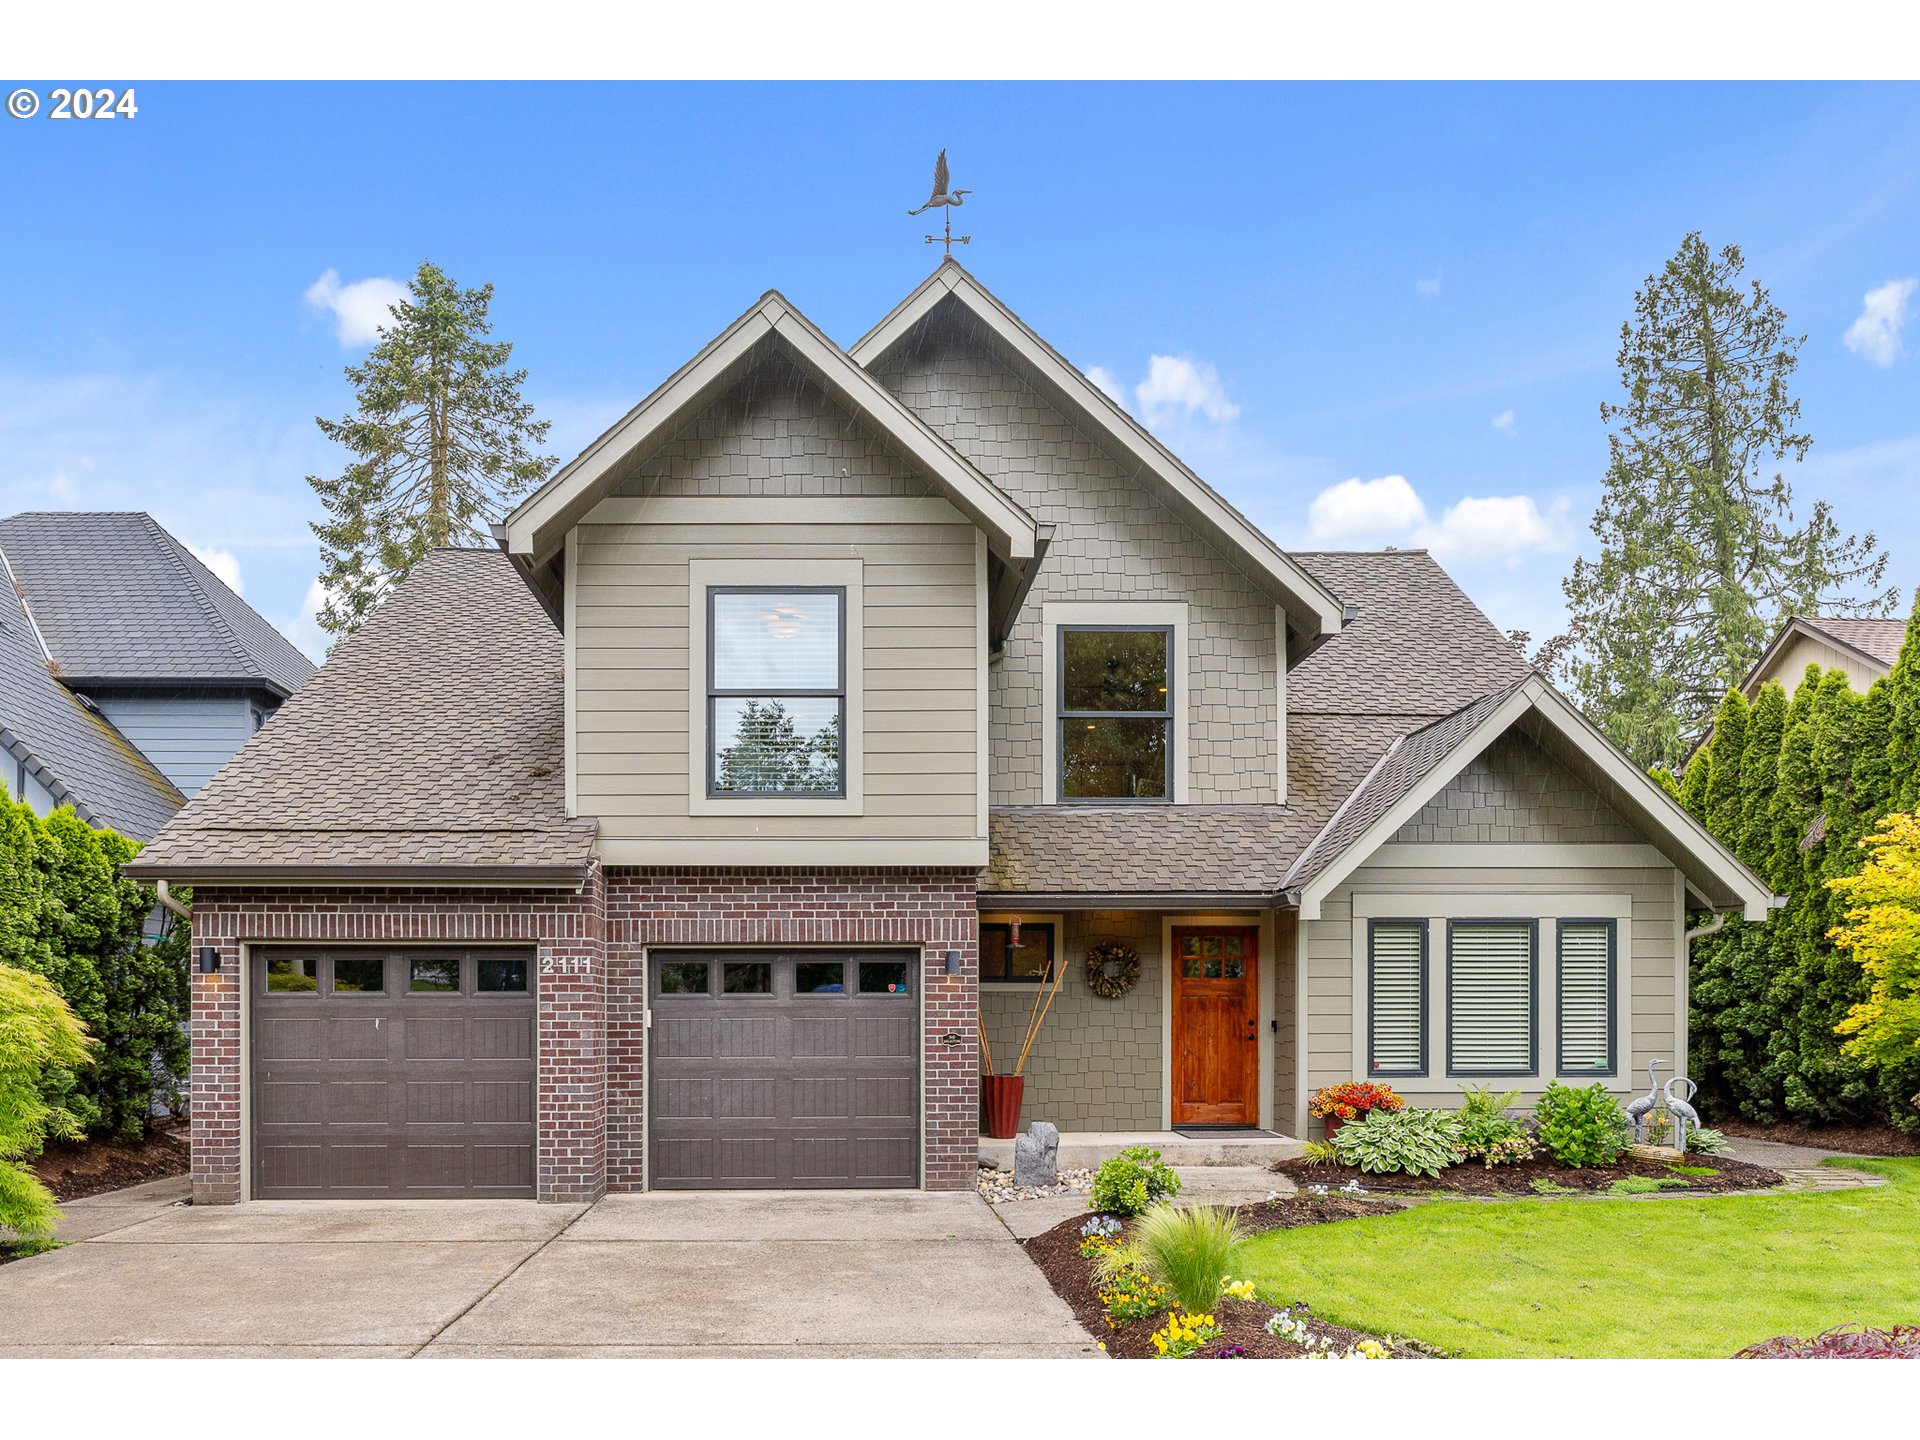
1001, 1095
1337, 1104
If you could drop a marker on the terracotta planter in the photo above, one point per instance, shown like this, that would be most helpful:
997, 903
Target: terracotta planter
1333, 1123
1000, 1097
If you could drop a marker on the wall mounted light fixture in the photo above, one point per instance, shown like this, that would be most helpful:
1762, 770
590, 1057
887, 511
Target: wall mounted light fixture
953, 962
209, 959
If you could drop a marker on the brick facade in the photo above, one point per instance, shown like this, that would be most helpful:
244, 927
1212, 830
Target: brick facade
592, 992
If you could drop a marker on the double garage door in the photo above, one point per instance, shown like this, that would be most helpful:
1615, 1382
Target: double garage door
396, 1073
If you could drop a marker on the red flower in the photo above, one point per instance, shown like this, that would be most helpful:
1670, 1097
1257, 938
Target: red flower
1353, 1099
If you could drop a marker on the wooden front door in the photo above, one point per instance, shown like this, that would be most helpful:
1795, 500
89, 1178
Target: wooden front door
1216, 1025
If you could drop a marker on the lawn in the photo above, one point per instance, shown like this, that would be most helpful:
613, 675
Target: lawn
1610, 1278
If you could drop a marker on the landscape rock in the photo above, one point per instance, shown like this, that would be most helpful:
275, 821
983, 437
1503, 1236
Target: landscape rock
1036, 1156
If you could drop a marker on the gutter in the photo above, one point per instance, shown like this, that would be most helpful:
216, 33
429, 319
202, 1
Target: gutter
493, 877
165, 897
995, 900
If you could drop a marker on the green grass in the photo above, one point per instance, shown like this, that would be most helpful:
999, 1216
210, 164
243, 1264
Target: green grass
1675, 1278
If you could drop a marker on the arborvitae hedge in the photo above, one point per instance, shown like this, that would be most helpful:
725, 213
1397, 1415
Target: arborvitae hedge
1792, 787
67, 913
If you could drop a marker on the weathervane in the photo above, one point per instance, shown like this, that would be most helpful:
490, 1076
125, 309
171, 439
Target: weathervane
947, 199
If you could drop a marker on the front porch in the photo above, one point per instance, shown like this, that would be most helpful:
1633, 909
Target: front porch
1085, 1149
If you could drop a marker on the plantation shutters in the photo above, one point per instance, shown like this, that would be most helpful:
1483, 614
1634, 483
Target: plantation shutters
1397, 997
1490, 999
1586, 980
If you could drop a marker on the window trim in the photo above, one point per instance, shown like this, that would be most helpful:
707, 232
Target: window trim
1532, 1068
1426, 1000
1612, 927
718, 692
1166, 714
1054, 957
778, 573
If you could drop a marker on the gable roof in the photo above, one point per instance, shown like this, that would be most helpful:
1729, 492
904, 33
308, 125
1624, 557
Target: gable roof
118, 599
1313, 609
1419, 765
538, 526
430, 748
66, 745
1876, 641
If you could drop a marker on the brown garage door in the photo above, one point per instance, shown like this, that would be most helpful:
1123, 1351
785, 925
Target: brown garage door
784, 1071
392, 1073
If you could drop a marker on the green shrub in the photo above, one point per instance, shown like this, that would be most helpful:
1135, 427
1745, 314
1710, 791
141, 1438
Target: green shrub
1131, 1181
68, 914
1186, 1251
1388, 1142
1486, 1132
37, 1032
1582, 1127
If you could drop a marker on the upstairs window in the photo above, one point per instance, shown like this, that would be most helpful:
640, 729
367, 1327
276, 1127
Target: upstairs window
1116, 713
776, 691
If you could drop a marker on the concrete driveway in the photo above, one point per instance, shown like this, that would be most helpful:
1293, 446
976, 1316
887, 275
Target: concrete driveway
895, 1273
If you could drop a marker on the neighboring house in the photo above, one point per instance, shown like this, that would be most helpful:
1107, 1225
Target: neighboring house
126, 656
683, 843
1864, 649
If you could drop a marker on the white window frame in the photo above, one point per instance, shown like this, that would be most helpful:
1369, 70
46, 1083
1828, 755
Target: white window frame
771, 573
1170, 614
1547, 909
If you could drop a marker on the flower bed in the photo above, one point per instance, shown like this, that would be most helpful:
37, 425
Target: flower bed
1842, 1342
1235, 1325
1535, 1175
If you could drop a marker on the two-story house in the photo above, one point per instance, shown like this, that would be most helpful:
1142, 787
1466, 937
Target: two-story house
825, 708
129, 671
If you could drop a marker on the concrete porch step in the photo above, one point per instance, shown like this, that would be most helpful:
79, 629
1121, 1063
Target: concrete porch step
1086, 1149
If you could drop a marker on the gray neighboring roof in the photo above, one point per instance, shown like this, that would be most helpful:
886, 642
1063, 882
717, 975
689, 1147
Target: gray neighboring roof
1877, 639
119, 599
71, 749
1369, 713
429, 749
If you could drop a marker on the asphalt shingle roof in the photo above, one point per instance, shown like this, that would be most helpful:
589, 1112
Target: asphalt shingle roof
68, 747
118, 598
431, 740
1881, 639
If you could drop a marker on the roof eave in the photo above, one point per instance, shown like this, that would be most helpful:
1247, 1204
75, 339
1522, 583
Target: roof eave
1128, 899
499, 877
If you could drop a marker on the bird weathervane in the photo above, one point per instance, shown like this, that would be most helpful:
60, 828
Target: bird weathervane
946, 199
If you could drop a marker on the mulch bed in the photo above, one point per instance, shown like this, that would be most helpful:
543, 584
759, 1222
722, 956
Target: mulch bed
1854, 1139
1472, 1178
93, 1167
1057, 1253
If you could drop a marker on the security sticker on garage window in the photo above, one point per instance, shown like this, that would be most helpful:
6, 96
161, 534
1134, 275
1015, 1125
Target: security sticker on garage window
884, 977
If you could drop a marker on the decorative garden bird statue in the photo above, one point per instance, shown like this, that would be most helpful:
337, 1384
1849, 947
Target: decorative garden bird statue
1638, 1111
1685, 1118
940, 194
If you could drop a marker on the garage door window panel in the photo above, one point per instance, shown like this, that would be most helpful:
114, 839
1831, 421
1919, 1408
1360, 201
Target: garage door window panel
434, 975
500, 977
359, 975
682, 977
293, 975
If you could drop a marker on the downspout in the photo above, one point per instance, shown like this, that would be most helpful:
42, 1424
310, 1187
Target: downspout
1710, 928
165, 897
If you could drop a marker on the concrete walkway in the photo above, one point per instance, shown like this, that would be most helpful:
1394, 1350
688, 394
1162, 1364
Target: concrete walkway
792, 1274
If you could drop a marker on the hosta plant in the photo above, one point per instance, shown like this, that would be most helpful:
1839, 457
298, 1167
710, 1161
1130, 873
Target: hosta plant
1400, 1142
1707, 1142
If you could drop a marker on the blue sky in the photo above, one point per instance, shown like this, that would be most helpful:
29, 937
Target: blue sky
1342, 283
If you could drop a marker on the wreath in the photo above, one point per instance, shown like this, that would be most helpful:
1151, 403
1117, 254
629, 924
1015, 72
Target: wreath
1112, 968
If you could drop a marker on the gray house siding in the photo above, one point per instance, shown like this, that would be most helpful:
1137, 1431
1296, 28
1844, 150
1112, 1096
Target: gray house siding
187, 737
1514, 793
1113, 540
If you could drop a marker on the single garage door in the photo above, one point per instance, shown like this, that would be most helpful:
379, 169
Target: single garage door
392, 1073
784, 1071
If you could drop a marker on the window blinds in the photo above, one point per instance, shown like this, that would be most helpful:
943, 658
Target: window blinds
1490, 999
1397, 998
1586, 997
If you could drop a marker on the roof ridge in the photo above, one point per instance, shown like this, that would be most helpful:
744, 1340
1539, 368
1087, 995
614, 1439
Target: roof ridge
180, 554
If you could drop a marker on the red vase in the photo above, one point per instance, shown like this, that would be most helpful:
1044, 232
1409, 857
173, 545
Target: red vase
1000, 1097
1333, 1123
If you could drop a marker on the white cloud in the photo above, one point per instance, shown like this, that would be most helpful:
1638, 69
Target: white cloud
62, 488
361, 309
1428, 285
1356, 511
1177, 386
221, 563
1504, 421
304, 629
1875, 335
1474, 530
1112, 384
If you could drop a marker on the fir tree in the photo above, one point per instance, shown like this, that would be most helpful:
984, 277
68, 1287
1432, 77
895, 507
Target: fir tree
1722, 801
1701, 554
1903, 723
441, 441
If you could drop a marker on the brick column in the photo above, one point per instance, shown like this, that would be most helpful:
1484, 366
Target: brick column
950, 1012
215, 1081
571, 1163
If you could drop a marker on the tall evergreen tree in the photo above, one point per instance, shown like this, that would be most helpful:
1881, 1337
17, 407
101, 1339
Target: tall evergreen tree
1721, 804
1903, 721
1872, 767
1701, 554
1759, 768
441, 440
